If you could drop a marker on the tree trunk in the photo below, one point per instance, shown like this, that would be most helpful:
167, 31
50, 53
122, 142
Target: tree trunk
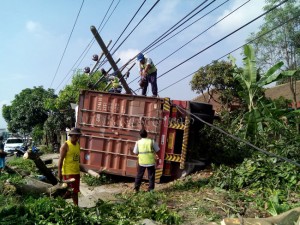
41, 166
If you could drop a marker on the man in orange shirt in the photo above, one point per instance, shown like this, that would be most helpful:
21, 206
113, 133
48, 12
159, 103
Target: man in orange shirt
69, 164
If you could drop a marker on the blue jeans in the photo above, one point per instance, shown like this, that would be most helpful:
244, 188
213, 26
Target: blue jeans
2, 163
152, 79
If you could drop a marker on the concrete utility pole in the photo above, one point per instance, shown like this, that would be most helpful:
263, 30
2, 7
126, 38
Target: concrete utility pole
110, 59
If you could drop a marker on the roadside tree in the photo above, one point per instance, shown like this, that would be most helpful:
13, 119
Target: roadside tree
215, 81
283, 43
27, 110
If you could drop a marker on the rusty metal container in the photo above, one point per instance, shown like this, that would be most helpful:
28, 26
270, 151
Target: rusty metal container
111, 122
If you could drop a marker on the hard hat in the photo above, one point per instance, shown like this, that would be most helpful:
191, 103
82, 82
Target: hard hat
140, 57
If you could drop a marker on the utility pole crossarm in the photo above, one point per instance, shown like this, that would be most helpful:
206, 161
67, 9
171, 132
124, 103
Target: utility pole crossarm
110, 60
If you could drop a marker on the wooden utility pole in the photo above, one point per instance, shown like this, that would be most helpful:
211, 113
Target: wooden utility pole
110, 60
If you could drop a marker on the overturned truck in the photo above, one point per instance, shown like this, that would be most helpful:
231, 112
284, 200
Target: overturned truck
110, 124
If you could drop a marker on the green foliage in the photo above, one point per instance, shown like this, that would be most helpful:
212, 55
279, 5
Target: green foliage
27, 109
94, 181
61, 115
280, 44
46, 149
137, 207
129, 210
188, 184
37, 133
217, 77
80, 81
257, 173
260, 116
275, 205
224, 150
22, 164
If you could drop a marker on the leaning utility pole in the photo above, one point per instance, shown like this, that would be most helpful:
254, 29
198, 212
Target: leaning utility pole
110, 60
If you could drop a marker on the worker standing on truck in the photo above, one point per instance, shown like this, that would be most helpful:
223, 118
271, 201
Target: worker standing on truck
68, 164
146, 149
148, 74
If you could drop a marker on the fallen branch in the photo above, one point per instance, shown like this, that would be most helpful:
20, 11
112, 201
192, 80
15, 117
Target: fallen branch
221, 203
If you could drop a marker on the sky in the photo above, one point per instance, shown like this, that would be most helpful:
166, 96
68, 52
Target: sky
34, 35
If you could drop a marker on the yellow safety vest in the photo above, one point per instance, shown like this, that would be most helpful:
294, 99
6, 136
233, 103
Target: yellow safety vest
146, 152
71, 161
115, 83
151, 70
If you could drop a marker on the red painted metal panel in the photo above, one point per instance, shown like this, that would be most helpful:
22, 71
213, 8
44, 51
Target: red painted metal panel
110, 124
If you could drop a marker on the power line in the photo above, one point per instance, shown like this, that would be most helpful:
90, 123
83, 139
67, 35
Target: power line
181, 31
198, 34
104, 61
128, 25
88, 47
173, 28
231, 33
239, 139
263, 34
98, 29
67, 44
136, 25
93, 39
204, 31
251, 21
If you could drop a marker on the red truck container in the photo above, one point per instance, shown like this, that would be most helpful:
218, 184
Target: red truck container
110, 124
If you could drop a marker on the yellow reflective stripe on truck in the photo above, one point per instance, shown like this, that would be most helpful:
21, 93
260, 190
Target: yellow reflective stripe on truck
185, 142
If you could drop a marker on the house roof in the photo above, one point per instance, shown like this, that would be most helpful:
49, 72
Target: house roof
283, 90
271, 92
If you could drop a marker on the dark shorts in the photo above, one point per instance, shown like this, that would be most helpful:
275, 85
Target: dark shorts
74, 185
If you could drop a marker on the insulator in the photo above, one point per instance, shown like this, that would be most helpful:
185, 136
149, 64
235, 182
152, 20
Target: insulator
87, 69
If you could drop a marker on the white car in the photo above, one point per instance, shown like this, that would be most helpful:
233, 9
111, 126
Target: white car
12, 143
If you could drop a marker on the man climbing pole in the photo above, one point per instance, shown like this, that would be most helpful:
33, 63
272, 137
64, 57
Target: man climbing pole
148, 74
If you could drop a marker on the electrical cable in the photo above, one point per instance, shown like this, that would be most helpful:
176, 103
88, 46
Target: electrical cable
67, 43
258, 37
104, 60
127, 25
88, 47
184, 29
223, 38
173, 28
93, 39
239, 139
203, 32
189, 25
74, 65
169, 31
98, 29
136, 26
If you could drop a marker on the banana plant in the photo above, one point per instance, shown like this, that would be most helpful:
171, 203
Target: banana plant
253, 82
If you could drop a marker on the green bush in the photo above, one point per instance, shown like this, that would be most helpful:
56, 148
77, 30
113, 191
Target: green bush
129, 210
94, 181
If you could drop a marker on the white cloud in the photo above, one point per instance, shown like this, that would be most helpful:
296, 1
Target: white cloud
164, 15
32, 26
126, 55
240, 17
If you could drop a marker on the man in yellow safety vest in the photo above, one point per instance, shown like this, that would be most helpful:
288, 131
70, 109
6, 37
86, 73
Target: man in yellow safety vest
146, 149
148, 74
